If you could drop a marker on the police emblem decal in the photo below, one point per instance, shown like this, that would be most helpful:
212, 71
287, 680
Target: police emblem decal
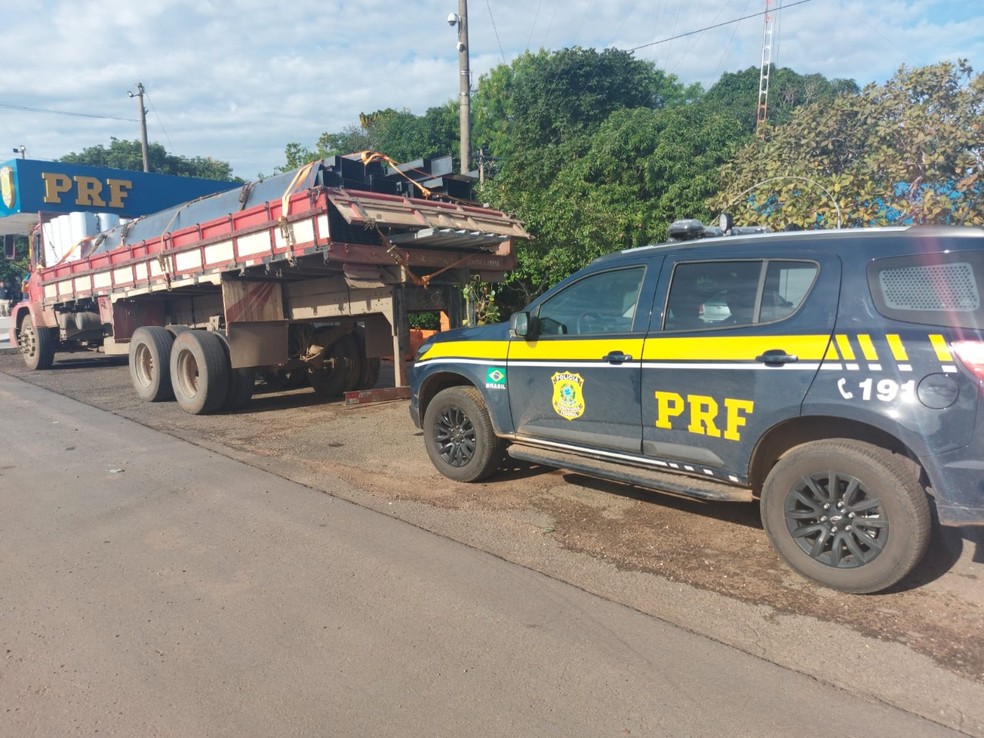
568, 399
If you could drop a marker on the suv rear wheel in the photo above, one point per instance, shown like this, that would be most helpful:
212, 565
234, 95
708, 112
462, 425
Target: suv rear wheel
459, 436
847, 514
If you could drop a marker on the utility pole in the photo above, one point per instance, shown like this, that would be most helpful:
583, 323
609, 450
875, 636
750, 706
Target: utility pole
143, 125
464, 83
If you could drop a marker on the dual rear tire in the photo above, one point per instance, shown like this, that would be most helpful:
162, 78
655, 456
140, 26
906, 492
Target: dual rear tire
191, 367
200, 372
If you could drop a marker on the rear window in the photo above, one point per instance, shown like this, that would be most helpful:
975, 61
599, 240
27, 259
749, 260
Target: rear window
942, 289
721, 294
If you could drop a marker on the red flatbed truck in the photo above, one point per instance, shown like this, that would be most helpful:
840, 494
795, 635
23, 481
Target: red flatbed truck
311, 273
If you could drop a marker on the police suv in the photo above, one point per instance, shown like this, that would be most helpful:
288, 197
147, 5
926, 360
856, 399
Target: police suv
835, 376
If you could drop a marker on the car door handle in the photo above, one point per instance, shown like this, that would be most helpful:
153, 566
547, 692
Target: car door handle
776, 357
616, 357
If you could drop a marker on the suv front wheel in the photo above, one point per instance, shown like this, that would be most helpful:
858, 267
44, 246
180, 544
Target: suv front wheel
459, 436
847, 514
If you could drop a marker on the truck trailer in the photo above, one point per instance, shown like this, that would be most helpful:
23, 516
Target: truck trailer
310, 274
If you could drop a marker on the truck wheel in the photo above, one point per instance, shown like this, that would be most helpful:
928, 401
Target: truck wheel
370, 373
150, 363
459, 436
849, 515
37, 345
338, 373
242, 382
199, 372
369, 370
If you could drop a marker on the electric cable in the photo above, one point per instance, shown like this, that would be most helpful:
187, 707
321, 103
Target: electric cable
708, 28
65, 112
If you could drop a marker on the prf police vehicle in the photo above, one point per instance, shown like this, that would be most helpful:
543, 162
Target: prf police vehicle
834, 376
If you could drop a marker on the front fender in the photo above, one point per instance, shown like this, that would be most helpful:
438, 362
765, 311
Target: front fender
428, 380
42, 318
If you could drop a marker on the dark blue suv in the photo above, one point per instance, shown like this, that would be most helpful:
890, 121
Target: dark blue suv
834, 376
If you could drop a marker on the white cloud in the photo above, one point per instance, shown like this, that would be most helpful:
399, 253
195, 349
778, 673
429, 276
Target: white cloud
240, 79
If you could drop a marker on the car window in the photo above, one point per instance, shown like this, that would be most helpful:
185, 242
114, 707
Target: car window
601, 303
933, 288
787, 283
710, 294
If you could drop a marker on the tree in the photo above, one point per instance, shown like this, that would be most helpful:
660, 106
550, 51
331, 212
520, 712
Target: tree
639, 172
737, 93
128, 155
401, 135
580, 140
909, 151
550, 97
14, 269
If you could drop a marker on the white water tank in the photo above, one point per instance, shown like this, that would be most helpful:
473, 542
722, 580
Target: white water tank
62, 234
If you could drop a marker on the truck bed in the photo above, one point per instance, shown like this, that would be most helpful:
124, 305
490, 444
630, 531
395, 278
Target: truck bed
291, 221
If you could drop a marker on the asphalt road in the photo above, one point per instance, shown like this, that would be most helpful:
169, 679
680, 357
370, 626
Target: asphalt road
152, 587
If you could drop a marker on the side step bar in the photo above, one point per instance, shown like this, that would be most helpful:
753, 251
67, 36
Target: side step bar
676, 484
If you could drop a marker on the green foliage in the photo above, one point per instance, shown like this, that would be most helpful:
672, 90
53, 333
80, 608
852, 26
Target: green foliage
401, 135
548, 98
15, 269
430, 321
621, 187
594, 151
909, 151
482, 296
128, 155
737, 93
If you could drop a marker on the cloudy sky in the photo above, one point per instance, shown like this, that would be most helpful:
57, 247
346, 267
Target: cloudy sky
239, 79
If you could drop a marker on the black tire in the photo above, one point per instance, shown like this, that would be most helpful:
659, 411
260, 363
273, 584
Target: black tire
37, 345
199, 372
242, 382
849, 515
369, 374
459, 436
150, 363
354, 360
340, 370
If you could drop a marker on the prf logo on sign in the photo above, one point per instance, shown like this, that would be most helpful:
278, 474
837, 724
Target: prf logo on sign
7, 190
85, 191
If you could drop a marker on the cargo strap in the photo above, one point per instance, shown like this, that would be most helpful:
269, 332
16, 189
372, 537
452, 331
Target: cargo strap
287, 229
72, 250
368, 157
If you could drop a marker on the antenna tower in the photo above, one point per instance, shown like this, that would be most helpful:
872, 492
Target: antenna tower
763, 100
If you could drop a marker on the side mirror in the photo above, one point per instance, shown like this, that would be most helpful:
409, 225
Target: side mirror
519, 324
9, 247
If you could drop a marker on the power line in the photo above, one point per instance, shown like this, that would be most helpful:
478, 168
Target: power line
65, 112
496, 31
159, 121
716, 25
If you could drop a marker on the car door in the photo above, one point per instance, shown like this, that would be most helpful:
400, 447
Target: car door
574, 381
738, 344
